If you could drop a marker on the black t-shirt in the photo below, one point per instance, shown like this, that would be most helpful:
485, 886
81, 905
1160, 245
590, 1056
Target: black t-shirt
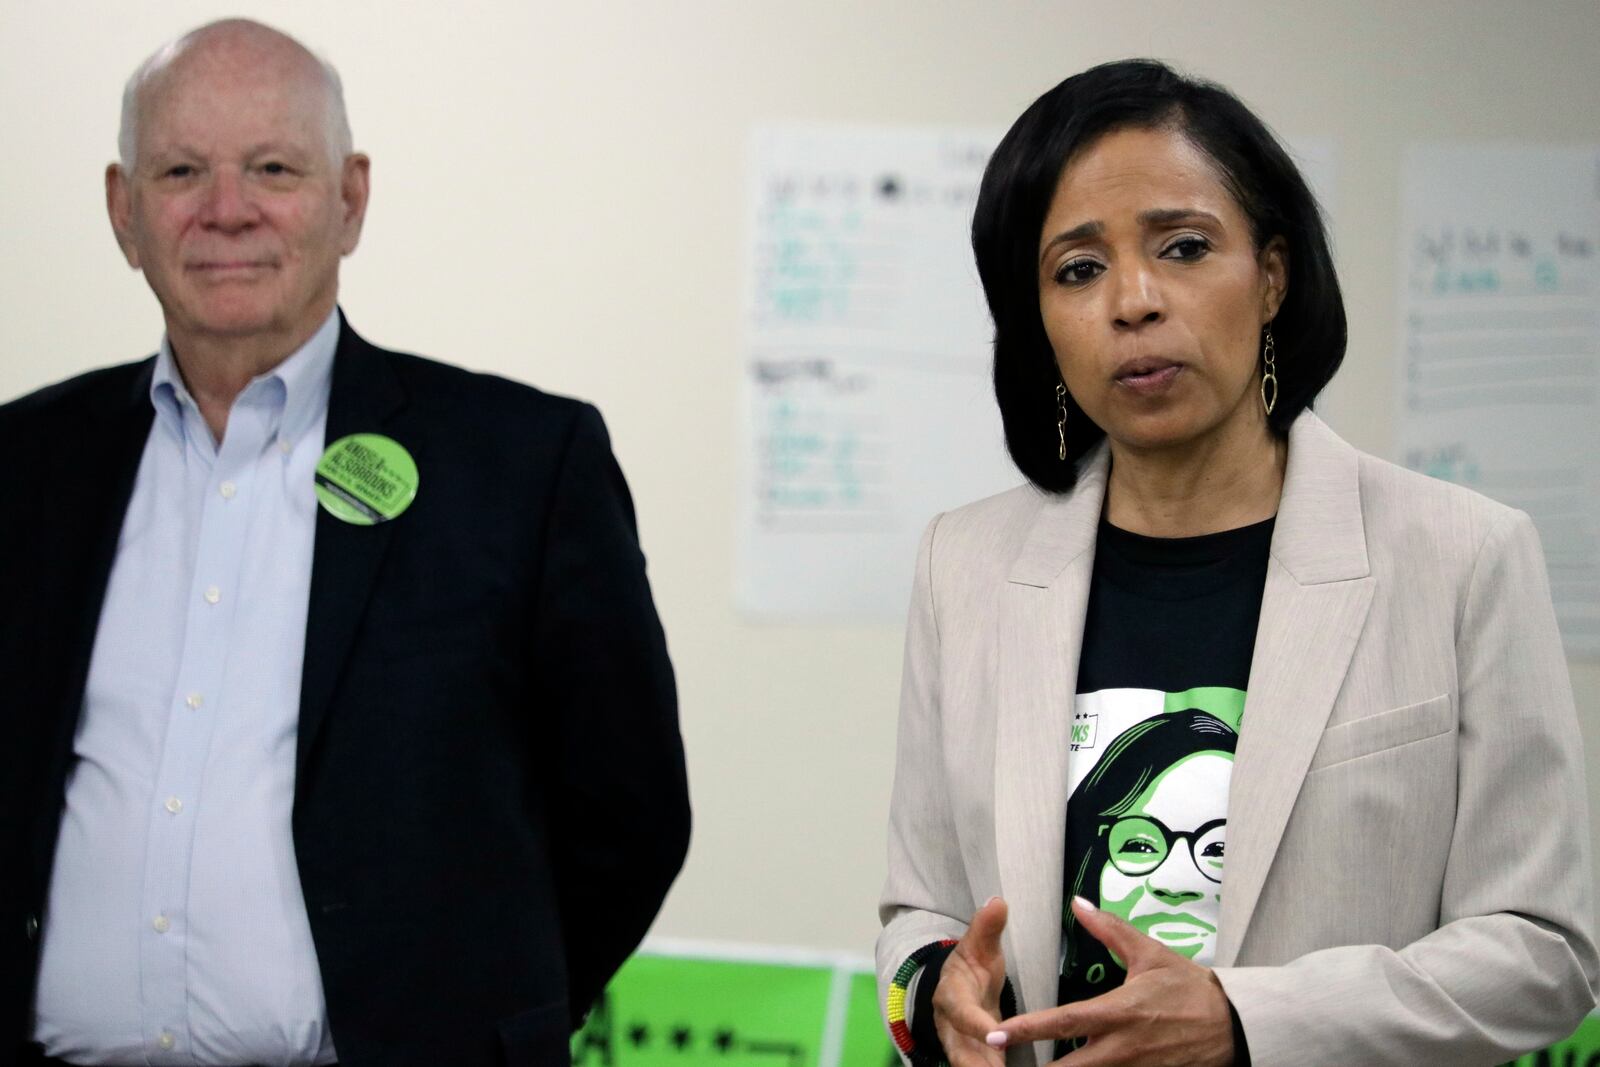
1162, 672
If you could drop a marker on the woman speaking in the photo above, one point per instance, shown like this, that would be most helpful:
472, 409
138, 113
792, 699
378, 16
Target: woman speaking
1220, 742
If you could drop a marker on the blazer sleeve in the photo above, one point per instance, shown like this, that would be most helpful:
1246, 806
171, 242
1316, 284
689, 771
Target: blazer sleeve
618, 794
1512, 966
926, 898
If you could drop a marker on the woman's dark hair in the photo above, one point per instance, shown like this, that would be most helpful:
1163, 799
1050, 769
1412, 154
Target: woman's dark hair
1137, 757
1019, 184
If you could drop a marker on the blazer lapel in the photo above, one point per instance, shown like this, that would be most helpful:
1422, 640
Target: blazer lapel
95, 471
1040, 631
1319, 587
345, 559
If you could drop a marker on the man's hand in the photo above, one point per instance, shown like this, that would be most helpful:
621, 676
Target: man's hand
966, 1004
1171, 1012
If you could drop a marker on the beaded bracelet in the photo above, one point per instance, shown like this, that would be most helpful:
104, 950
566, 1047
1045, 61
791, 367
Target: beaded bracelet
896, 1005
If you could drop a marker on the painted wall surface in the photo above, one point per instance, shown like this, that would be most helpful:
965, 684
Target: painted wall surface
557, 195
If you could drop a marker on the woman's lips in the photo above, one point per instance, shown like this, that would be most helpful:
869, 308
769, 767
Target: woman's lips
1149, 379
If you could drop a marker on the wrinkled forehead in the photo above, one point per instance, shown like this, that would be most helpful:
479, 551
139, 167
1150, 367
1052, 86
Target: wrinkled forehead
222, 92
1136, 167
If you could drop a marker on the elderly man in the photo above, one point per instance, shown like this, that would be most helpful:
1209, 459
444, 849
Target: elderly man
340, 722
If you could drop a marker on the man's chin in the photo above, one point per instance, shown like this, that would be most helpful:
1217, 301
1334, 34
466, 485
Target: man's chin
228, 321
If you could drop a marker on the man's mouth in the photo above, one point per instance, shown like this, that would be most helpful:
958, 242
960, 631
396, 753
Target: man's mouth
229, 266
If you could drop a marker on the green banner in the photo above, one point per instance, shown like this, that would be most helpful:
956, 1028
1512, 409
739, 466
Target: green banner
668, 1009
675, 1011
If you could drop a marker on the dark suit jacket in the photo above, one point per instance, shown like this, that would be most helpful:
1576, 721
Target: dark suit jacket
490, 800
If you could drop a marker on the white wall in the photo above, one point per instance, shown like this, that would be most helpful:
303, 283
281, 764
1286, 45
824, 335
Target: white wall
556, 197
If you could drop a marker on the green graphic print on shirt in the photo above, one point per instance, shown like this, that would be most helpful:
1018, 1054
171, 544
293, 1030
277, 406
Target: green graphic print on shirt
1147, 821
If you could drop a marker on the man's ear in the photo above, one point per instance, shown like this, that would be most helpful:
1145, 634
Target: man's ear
1274, 260
354, 185
119, 205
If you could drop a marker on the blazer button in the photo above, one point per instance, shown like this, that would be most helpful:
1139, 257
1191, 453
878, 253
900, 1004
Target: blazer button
33, 927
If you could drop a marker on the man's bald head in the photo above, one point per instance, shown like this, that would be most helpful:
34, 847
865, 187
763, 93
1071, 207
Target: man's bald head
233, 41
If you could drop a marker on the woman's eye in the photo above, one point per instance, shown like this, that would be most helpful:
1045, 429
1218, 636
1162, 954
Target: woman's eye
1188, 248
1139, 847
1077, 271
1213, 850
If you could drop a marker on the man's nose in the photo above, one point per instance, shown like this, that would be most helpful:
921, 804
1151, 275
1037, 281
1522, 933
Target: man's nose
228, 205
1136, 299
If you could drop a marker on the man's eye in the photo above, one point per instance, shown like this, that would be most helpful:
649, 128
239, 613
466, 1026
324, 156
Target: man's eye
274, 168
1078, 271
182, 170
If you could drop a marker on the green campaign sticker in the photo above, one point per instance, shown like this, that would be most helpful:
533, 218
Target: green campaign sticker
366, 478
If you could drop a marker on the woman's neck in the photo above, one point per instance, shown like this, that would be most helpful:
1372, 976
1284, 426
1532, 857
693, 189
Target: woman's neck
1221, 482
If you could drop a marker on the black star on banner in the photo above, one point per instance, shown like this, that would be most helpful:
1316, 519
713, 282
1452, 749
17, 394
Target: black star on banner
681, 1038
639, 1035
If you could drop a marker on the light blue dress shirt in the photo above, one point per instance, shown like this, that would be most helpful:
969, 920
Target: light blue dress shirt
175, 930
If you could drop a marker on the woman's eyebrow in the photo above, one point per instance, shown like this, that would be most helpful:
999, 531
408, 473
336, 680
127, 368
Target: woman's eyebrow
1170, 216
1077, 233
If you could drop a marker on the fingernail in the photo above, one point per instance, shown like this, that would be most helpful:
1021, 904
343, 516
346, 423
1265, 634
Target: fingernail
1083, 902
996, 1039
991, 900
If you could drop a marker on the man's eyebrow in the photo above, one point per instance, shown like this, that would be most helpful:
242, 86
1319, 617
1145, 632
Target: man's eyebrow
1077, 233
274, 148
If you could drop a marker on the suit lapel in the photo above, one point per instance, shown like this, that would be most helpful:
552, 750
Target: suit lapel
363, 397
1040, 631
1319, 588
95, 469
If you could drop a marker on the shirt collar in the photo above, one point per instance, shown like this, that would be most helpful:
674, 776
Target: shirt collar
302, 384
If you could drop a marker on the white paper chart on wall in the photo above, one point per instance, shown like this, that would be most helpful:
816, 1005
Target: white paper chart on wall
867, 394
867, 398
1499, 383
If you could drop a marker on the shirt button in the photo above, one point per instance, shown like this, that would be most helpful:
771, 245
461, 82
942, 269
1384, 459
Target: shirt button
194, 700
212, 594
160, 924
174, 805
166, 1041
228, 490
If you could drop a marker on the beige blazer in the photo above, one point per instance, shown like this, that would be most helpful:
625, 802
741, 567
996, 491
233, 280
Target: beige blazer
1408, 875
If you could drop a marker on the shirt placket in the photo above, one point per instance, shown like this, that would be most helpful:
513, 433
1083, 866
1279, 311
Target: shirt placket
223, 480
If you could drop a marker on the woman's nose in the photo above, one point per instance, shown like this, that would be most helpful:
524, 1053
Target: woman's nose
1136, 300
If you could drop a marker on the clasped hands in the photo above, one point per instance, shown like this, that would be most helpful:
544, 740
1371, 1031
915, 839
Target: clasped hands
1171, 1011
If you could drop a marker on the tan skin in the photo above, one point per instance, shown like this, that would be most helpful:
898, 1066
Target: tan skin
1154, 296
237, 209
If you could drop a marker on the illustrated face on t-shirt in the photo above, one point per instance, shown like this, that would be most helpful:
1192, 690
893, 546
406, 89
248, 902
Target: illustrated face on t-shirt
1163, 871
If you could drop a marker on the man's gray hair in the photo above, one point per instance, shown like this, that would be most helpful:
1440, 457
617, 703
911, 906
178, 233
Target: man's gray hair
340, 143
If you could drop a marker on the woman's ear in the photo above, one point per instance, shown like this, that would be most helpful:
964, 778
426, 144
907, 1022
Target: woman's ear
1274, 263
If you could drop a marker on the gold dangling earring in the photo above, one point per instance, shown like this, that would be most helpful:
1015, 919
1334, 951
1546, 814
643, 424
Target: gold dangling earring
1061, 419
1269, 353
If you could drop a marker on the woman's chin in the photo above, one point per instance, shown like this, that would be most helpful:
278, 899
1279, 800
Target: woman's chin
1168, 432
